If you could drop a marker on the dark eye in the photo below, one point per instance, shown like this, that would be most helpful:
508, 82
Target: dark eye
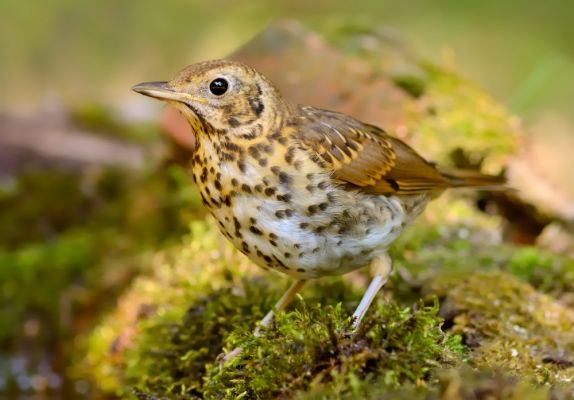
218, 86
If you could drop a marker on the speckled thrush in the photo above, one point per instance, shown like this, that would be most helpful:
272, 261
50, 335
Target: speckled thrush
304, 191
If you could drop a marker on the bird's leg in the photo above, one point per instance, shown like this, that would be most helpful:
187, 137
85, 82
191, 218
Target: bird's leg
381, 267
283, 302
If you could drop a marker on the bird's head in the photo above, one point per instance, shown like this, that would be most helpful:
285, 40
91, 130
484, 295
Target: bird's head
226, 95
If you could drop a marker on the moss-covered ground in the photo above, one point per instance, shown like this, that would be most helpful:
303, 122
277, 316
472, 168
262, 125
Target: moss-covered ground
456, 307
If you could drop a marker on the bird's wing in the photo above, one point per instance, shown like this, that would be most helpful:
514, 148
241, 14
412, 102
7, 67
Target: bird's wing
365, 156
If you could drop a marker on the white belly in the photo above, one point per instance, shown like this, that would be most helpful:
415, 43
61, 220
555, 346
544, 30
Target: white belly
331, 242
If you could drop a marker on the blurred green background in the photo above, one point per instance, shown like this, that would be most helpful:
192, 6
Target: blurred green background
520, 51
72, 240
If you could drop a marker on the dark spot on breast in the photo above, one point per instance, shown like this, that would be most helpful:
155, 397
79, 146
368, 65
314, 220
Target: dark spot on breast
258, 188
273, 243
315, 250
298, 164
323, 185
275, 169
270, 191
272, 236
249, 136
234, 182
246, 188
285, 178
280, 214
303, 225
228, 157
289, 155
284, 197
342, 230
275, 135
323, 206
252, 220
255, 230
263, 162
267, 259
310, 188
312, 209
331, 196
254, 151
233, 147
289, 213
217, 184
300, 270
297, 245
287, 255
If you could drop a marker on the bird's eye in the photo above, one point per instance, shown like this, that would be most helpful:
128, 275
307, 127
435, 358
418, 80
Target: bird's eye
218, 86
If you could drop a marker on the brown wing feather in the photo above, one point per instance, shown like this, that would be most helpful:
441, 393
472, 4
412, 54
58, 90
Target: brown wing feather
365, 156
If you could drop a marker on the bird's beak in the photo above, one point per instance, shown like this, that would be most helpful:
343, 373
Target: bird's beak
161, 91
157, 90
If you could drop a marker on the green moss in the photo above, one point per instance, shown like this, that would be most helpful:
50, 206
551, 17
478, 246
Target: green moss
510, 325
451, 101
205, 298
458, 384
312, 347
82, 244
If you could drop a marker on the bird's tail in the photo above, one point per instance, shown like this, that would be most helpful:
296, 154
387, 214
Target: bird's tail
474, 179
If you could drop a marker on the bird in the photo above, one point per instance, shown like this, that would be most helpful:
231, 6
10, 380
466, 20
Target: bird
301, 190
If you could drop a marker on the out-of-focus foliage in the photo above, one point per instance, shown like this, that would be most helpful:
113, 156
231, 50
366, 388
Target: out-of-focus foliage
68, 49
77, 233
